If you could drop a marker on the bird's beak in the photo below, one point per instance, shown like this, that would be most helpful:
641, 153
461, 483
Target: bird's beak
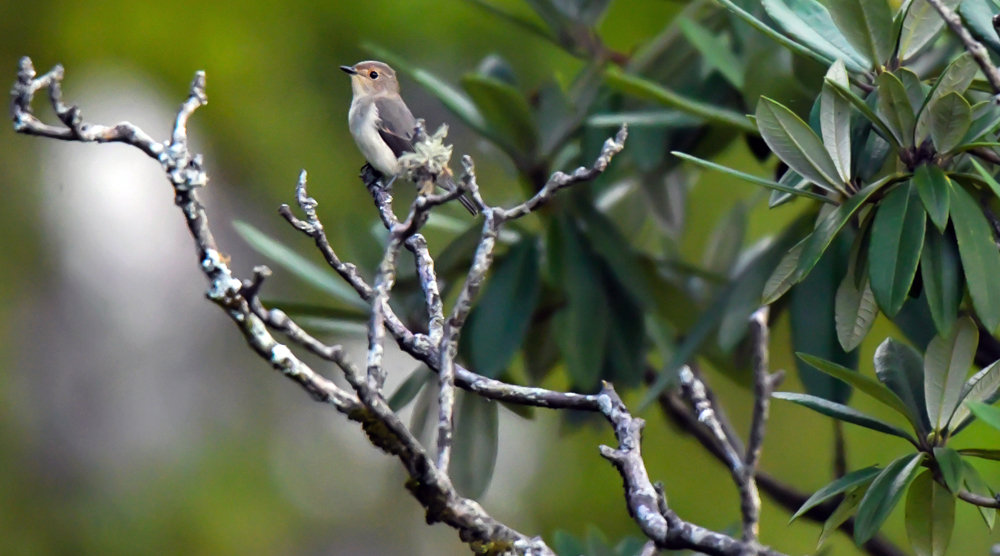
349, 69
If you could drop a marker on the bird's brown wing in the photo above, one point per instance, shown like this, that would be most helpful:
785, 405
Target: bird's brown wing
396, 124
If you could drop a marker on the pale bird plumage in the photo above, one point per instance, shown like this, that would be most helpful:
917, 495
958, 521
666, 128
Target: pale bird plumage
381, 123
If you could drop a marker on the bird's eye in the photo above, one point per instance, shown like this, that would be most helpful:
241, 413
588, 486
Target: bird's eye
373, 75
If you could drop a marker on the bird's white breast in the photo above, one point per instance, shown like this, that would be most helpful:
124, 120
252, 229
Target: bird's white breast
363, 121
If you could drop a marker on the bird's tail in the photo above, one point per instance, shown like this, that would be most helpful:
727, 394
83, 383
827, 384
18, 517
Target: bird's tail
469, 205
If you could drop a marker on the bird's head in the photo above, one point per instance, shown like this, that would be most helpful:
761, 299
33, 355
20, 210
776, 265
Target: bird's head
369, 78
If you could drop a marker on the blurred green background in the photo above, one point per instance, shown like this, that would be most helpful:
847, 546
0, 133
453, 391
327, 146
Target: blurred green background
134, 420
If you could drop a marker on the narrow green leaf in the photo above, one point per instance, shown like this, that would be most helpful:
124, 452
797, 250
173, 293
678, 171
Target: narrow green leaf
935, 191
983, 124
901, 369
975, 484
797, 144
867, 26
896, 241
851, 480
885, 492
978, 14
983, 387
643, 88
894, 107
505, 110
813, 51
930, 516
304, 269
980, 258
832, 224
810, 23
863, 383
946, 366
921, 24
866, 111
941, 271
726, 241
338, 327
982, 454
497, 324
986, 413
522, 21
954, 79
852, 499
916, 90
715, 52
844, 413
410, 387
792, 179
855, 312
951, 116
990, 181
752, 179
781, 279
667, 119
835, 121
950, 463
474, 455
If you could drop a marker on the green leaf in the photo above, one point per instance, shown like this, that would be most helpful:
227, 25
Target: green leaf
851, 480
810, 23
843, 512
337, 327
726, 241
835, 121
643, 88
781, 279
980, 258
982, 454
951, 116
829, 226
986, 413
582, 327
935, 191
751, 178
616, 250
896, 241
812, 311
790, 178
883, 495
975, 484
901, 369
863, 383
930, 516
983, 387
500, 318
715, 52
410, 387
983, 124
855, 312
452, 99
946, 366
894, 107
921, 24
954, 79
916, 90
506, 111
797, 145
978, 14
941, 271
566, 544
304, 269
950, 463
524, 22
844, 413
668, 119
867, 25
990, 181
814, 50
474, 455
865, 111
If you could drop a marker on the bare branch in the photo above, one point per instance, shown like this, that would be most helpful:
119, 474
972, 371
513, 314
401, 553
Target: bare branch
695, 391
974, 47
980, 500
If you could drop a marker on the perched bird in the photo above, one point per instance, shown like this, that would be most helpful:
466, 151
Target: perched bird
382, 125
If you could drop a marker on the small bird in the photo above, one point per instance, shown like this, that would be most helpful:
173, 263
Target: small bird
382, 125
